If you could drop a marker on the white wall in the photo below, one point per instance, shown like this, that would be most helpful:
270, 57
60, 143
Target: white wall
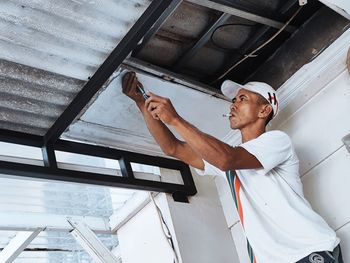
198, 228
141, 239
317, 117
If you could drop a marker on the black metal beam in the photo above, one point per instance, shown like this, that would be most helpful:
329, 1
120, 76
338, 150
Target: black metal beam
51, 172
125, 46
40, 172
229, 9
201, 41
21, 138
157, 25
125, 168
247, 46
125, 158
115, 154
49, 156
253, 40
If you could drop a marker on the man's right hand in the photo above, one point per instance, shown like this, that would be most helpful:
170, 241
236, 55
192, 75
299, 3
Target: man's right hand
130, 89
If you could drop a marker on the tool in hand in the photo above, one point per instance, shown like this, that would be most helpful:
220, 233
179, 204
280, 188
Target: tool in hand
143, 92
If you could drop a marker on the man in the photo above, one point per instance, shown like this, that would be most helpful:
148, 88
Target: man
279, 223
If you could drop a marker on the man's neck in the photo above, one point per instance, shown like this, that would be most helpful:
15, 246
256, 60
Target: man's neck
250, 134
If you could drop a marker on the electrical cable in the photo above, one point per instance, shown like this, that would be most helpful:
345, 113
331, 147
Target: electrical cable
166, 233
258, 48
225, 25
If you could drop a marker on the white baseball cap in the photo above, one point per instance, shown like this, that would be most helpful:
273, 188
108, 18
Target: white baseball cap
230, 90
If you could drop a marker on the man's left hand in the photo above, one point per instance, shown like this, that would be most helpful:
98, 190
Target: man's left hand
162, 109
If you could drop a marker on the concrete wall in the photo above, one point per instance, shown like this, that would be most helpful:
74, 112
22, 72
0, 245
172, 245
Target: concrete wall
198, 228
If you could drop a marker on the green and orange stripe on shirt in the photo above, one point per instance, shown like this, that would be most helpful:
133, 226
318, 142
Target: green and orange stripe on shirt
235, 186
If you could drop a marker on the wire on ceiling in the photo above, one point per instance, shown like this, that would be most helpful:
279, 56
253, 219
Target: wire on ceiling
258, 48
214, 42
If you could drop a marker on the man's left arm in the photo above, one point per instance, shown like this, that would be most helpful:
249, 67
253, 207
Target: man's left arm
207, 147
214, 151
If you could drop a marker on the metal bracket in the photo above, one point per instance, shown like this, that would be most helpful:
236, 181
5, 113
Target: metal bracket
17, 245
90, 242
180, 197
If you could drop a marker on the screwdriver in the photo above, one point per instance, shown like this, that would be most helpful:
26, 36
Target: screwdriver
143, 92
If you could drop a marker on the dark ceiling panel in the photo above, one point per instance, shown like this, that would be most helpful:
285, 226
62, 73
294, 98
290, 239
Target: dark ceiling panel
315, 35
202, 47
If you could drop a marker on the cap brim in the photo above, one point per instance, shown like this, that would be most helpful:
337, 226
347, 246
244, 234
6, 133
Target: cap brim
230, 88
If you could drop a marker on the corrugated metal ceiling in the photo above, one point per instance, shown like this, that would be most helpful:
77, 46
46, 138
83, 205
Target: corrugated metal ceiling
32, 99
71, 38
49, 49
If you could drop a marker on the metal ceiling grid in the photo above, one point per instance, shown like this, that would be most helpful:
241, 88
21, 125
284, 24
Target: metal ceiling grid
153, 14
221, 33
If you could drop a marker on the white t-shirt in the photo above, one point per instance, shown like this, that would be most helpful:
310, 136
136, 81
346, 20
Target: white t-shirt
278, 221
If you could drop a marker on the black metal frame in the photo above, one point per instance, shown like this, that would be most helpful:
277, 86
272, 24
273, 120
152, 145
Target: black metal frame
145, 26
170, 9
252, 41
201, 41
51, 171
122, 50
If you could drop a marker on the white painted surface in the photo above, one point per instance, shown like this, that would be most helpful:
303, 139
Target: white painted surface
203, 235
344, 235
240, 240
130, 208
198, 228
114, 119
141, 238
227, 201
317, 128
327, 188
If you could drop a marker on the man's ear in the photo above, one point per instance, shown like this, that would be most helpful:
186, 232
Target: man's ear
265, 110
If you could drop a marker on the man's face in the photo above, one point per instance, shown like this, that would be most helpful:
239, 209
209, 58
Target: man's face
244, 109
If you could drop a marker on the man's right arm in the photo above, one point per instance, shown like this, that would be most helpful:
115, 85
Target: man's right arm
169, 144
167, 141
